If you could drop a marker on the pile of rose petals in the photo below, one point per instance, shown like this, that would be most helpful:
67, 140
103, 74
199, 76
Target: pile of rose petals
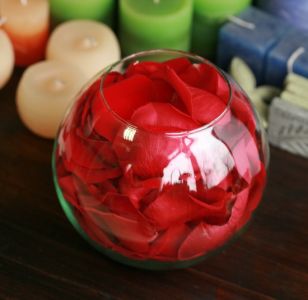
145, 176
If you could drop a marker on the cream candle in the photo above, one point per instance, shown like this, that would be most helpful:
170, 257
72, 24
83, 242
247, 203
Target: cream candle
6, 58
43, 94
87, 44
27, 24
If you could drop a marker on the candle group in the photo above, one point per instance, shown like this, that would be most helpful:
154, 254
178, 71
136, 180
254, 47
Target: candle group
209, 16
44, 93
264, 42
148, 24
27, 24
89, 45
6, 58
99, 10
250, 39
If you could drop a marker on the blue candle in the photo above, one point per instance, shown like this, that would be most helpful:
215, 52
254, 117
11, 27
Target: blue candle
250, 39
290, 53
294, 12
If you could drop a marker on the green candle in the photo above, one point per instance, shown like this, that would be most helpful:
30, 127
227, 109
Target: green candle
209, 16
149, 24
99, 10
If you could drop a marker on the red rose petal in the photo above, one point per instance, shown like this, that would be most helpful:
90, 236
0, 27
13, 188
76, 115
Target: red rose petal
137, 189
242, 110
163, 92
148, 154
112, 78
176, 206
91, 176
256, 190
68, 188
206, 107
127, 95
205, 237
203, 106
242, 146
120, 205
205, 77
95, 232
162, 115
88, 152
147, 68
81, 194
91, 195
124, 98
135, 235
168, 243
179, 65
213, 200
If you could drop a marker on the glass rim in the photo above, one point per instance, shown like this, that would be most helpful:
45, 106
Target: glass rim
180, 53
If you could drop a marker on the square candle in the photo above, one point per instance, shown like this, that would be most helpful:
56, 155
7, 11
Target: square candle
250, 40
286, 52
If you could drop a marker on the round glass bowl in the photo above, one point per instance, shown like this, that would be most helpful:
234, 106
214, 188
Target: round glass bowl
161, 160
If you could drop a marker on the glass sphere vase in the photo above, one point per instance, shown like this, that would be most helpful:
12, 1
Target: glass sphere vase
160, 161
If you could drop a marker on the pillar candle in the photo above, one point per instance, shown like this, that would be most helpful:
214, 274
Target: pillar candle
283, 54
6, 58
44, 93
27, 24
209, 16
90, 45
251, 43
149, 24
294, 12
99, 10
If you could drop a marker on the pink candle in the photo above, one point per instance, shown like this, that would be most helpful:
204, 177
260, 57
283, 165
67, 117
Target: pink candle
27, 24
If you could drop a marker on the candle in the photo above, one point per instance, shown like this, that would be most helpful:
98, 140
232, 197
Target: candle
289, 55
148, 24
294, 79
6, 58
294, 12
45, 91
87, 44
99, 10
298, 100
288, 127
250, 37
209, 16
27, 24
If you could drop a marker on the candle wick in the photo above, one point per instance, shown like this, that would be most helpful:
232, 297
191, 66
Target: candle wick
240, 22
294, 56
24, 2
58, 84
156, 1
88, 42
